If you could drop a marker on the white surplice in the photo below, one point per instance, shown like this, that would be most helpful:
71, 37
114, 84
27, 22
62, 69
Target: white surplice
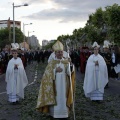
96, 77
60, 110
16, 80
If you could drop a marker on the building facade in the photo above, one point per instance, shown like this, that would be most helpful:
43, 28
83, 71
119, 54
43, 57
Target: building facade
9, 23
44, 42
33, 42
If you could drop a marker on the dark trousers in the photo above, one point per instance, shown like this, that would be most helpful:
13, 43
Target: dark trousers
109, 70
113, 73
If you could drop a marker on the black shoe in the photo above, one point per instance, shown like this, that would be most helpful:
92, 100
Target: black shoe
99, 101
17, 102
13, 103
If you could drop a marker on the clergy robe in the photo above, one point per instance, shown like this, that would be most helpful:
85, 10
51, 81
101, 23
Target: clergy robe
96, 77
55, 95
82, 62
16, 80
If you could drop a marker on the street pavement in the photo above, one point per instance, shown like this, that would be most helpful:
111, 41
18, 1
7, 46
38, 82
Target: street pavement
114, 85
8, 111
12, 112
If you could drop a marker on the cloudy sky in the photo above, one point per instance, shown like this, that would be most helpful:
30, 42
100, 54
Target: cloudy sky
52, 18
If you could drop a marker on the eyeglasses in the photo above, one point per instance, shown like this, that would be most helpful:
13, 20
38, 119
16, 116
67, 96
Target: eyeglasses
14, 53
95, 49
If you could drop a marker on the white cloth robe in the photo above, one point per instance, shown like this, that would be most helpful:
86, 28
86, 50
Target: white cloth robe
60, 110
96, 77
16, 79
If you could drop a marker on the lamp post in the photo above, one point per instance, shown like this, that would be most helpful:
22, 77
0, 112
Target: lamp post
24, 31
14, 19
29, 33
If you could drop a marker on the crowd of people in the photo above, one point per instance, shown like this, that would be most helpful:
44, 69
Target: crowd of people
97, 65
111, 55
27, 57
56, 94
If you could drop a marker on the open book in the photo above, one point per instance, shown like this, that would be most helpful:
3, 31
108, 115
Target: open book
117, 68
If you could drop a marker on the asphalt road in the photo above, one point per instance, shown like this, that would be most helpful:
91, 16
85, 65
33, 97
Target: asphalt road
114, 85
10, 112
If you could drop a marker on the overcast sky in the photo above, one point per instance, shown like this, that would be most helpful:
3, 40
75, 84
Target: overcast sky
52, 18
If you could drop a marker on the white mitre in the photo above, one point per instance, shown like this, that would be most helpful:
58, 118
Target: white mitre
17, 45
95, 44
106, 44
58, 46
22, 48
13, 46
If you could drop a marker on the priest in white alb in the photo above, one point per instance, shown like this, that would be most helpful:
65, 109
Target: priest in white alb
16, 78
96, 76
55, 94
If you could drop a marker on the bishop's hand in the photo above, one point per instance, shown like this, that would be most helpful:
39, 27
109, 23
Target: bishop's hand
59, 69
15, 66
96, 63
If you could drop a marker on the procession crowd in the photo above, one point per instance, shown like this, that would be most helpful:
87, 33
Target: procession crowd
111, 55
79, 57
56, 93
27, 57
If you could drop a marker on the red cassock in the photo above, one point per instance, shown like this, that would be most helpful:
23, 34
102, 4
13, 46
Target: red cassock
1, 67
83, 60
23, 60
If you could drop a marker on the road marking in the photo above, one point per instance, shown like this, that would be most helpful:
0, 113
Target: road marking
34, 79
30, 84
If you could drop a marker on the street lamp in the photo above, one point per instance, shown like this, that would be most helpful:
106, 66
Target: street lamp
29, 33
24, 31
14, 19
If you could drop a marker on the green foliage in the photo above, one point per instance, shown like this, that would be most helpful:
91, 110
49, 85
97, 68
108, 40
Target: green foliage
49, 46
6, 36
114, 15
114, 22
101, 25
97, 19
106, 24
19, 35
